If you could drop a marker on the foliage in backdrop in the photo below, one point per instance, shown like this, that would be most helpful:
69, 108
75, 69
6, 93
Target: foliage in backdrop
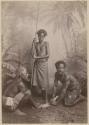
67, 19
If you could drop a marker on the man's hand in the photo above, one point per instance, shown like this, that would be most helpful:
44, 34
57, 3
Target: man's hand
34, 40
34, 57
54, 99
53, 102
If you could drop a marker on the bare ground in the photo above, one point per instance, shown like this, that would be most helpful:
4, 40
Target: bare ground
53, 114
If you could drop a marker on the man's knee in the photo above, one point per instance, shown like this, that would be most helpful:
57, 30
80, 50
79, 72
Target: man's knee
27, 94
67, 103
8, 103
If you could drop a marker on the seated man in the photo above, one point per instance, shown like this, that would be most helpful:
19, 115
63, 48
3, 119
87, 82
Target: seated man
66, 87
17, 92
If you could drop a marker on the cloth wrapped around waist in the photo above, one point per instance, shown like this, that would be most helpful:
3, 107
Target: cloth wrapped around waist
40, 78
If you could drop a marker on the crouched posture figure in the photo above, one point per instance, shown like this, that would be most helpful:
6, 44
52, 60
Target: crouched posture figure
66, 87
16, 93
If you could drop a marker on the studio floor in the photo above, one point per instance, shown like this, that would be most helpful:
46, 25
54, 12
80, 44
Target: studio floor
53, 114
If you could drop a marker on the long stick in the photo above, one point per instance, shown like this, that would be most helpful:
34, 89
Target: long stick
37, 18
35, 37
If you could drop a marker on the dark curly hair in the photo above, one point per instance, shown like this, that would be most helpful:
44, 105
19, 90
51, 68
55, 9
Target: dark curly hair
42, 31
60, 62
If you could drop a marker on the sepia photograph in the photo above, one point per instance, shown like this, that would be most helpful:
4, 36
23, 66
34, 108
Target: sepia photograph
44, 62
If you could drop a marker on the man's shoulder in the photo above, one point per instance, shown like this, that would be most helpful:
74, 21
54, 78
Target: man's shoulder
70, 76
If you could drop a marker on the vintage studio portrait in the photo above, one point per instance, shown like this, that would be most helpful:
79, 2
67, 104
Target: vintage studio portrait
44, 61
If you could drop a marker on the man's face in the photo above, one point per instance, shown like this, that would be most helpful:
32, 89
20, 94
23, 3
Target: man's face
61, 68
41, 37
23, 71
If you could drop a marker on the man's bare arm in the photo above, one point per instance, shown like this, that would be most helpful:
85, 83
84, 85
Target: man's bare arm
43, 57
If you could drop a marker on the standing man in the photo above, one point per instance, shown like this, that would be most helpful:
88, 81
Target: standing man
41, 56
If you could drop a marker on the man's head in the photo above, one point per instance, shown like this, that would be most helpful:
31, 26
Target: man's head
60, 66
23, 72
41, 34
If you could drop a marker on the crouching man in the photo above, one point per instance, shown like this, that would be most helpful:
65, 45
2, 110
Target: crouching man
66, 87
16, 93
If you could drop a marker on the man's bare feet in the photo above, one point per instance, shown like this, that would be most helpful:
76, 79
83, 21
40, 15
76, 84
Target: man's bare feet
46, 105
80, 99
36, 106
18, 112
53, 102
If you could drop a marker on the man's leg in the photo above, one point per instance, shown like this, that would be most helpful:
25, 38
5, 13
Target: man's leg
45, 97
57, 89
9, 104
79, 99
73, 98
56, 93
17, 100
28, 97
